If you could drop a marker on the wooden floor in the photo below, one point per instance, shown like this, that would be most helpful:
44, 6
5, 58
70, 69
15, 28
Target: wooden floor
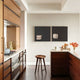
29, 74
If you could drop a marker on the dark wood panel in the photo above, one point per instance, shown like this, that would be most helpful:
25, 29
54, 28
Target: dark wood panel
59, 64
74, 67
29, 75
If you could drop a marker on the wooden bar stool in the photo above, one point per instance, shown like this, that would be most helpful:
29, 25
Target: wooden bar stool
39, 61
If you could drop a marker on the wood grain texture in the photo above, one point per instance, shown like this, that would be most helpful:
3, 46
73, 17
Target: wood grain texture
1, 72
6, 64
1, 39
13, 34
1, 32
17, 38
13, 6
10, 16
8, 78
6, 71
29, 74
74, 67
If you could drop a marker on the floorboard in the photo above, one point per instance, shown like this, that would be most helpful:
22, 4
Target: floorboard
29, 74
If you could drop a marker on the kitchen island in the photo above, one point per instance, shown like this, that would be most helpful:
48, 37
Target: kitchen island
65, 64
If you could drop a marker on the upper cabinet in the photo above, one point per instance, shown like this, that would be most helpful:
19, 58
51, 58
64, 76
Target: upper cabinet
13, 6
12, 12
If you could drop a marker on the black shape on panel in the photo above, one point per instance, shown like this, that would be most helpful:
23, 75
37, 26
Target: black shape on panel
61, 33
42, 33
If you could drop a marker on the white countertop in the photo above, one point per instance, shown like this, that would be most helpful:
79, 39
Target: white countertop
76, 53
6, 57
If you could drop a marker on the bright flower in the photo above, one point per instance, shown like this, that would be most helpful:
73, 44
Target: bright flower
74, 44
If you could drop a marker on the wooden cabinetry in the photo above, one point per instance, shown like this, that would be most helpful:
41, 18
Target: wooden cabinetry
11, 17
74, 67
1, 32
14, 36
1, 72
1, 40
13, 6
12, 12
17, 38
65, 64
7, 70
59, 64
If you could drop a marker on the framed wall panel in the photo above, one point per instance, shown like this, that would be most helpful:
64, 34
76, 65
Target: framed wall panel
59, 33
42, 33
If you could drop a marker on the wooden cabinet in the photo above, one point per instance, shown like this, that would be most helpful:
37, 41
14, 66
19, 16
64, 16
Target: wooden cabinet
1, 72
74, 67
1, 40
59, 64
13, 34
7, 70
65, 64
1, 32
17, 38
11, 17
13, 6
12, 12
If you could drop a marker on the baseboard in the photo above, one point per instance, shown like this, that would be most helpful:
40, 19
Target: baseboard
34, 63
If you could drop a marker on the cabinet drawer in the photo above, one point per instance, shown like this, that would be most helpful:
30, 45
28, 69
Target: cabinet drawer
8, 77
7, 71
1, 72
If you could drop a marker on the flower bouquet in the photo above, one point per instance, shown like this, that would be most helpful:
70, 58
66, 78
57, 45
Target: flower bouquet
74, 44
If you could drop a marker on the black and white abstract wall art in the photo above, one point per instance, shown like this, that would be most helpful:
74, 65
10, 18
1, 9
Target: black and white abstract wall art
59, 33
42, 33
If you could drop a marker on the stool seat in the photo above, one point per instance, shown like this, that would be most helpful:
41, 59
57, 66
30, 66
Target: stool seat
40, 56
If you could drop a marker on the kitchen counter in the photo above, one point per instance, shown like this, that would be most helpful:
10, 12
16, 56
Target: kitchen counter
76, 54
6, 57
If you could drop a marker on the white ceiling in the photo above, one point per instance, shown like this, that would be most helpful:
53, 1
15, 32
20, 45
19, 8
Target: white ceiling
53, 6
44, 1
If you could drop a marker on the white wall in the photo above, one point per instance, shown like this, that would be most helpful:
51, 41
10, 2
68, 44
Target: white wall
5, 34
22, 31
34, 48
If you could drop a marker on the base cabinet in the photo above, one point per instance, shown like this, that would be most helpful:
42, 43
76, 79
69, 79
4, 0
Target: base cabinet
65, 64
59, 64
74, 67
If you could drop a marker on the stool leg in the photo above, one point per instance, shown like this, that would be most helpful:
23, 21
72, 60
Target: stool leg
44, 64
39, 65
36, 65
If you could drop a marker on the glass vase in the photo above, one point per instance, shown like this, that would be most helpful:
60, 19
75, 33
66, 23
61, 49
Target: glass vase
74, 49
